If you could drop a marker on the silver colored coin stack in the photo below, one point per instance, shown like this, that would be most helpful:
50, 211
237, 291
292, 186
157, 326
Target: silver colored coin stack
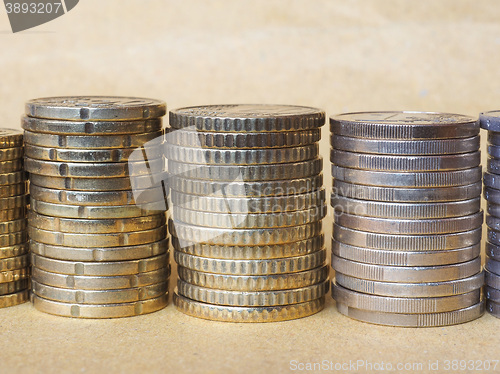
407, 228
98, 241
247, 203
14, 253
491, 121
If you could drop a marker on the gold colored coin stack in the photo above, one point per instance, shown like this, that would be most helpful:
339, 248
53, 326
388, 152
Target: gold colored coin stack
407, 230
247, 197
14, 256
98, 241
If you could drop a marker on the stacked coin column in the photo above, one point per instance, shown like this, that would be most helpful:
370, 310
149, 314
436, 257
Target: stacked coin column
407, 228
247, 202
14, 257
491, 121
99, 249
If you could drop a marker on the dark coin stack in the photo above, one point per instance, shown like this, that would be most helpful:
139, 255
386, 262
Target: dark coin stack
98, 241
247, 203
14, 256
407, 228
491, 121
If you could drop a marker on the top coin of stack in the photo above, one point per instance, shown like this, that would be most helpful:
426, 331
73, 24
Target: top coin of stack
247, 202
491, 121
407, 231
99, 246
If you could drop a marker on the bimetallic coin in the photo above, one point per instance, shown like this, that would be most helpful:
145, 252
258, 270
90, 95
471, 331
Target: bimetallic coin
101, 310
10, 154
10, 138
404, 125
493, 308
17, 298
414, 320
14, 251
406, 147
247, 118
14, 287
435, 289
100, 297
100, 108
247, 314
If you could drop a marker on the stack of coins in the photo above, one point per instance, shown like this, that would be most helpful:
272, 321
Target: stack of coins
247, 197
99, 249
14, 257
407, 228
491, 121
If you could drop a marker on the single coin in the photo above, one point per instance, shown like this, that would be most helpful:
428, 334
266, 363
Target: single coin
405, 258
83, 155
100, 108
254, 252
94, 212
251, 267
419, 179
271, 236
399, 210
14, 251
492, 251
100, 268
252, 299
14, 202
490, 120
410, 195
411, 243
100, 297
10, 154
220, 204
14, 275
492, 280
491, 180
97, 226
91, 127
406, 274
247, 118
13, 238
258, 220
414, 320
401, 290
66, 239
404, 163
493, 308
493, 266
10, 138
92, 142
293, 170
242, 140
101, 310
127, 253
404, 125
409, 305
493, 166
406, 147
11, 166
13, 190
13, 287
82, 282
14, 263
493, 138
492, 195
247, 314
8, 227
410, 226
17, 298
255, 283
494, 151
492, 294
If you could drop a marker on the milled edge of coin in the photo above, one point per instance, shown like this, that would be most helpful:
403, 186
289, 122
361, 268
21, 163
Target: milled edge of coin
88, 184
12, 239
14, 250
390, 289
14, 275
13, 287
11, 138
13, 299
247, 314
10, 154
14, 263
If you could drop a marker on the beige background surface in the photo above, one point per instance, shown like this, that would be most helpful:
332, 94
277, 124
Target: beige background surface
337, 55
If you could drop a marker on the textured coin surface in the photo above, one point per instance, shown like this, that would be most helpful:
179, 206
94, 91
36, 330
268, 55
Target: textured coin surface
13, 287
414, 320
11, 166
14, 250
14, 263
493, 236
101, 310
411, 195
493, 266
406, 274
245, 283
13, 238
90, 127
16, 298
491, 180
435, 289
493, 308
13, 190
404, 163
492, 195
404, 125
401, 210
493, 166
9, 154
493, 222
247, 314
492, 280
10, 138
492, 251
492, 294
14, 275
255, 299
9, 215
251, 267
247, 118
99, 297
101, 108
406, 147
14, 202
417, 179
13, 226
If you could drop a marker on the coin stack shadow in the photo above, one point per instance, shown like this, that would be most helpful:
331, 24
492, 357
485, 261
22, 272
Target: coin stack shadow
97, 224
407, 218
491, 121
247, 203
14, 256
